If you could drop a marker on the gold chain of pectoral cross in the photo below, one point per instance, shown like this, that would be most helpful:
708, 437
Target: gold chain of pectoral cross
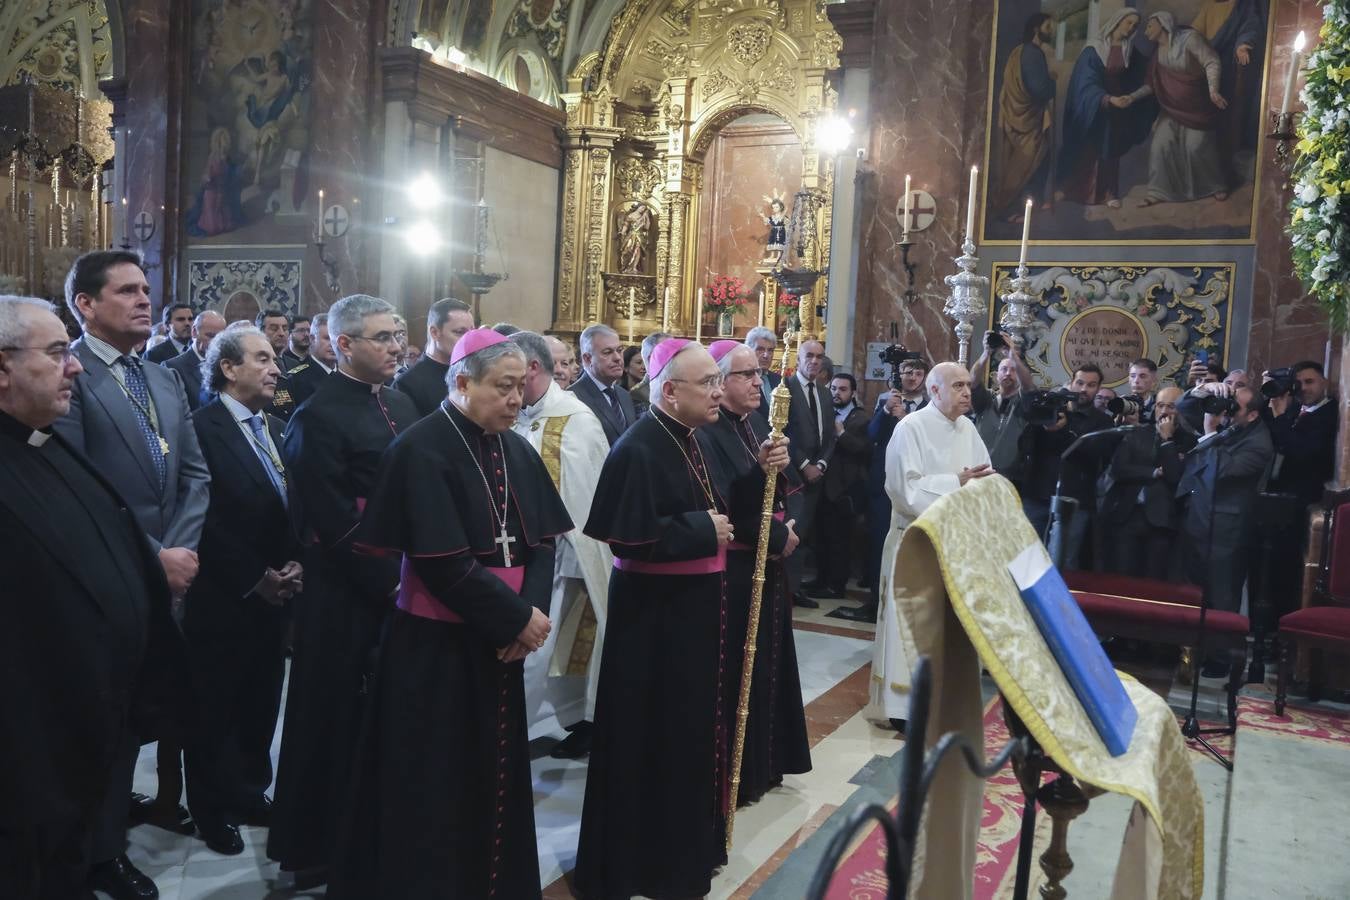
700, 474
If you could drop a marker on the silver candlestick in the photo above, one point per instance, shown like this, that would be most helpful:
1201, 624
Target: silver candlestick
1018, 307
966, 302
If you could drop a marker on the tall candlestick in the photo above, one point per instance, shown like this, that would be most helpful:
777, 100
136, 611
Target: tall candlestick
1294, 61
970, 202
632, 313
698, 318
125, 240
318, 231
1026, 232
904, 226
665, 310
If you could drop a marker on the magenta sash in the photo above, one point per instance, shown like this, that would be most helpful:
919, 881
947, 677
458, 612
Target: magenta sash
737, 545
708, 565
416, 600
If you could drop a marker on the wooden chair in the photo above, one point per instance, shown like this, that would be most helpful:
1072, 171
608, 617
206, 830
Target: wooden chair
1325, 625
1164, 612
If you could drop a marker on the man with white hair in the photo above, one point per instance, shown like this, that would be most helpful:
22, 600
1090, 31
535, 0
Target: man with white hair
933, 452
763, 341
571, 441
564, 357
598, 388
332, 448
660, 738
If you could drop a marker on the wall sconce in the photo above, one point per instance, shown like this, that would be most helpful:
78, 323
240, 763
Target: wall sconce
1283, 121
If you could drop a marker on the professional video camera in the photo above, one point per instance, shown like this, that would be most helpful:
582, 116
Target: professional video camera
1130, 405
896, 356
1281, 382
1044, 407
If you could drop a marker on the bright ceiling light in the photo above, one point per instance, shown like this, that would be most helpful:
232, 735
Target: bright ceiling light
834, 134
424, 192
423, 238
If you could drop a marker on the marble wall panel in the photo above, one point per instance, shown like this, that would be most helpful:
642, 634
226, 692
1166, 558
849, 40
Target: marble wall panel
745, 164
523, 196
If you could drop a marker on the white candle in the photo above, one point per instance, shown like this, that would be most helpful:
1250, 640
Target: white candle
1026, 232
665, 310
904, 226
970, 202
1294, 61
632, 312
698, 318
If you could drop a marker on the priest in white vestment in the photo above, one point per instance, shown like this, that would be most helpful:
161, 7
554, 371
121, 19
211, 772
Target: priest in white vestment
572, 443
932, 452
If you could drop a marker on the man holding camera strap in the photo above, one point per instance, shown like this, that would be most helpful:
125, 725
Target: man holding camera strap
1000, 418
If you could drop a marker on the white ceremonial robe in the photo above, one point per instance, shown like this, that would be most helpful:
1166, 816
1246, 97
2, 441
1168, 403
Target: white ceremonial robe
924, 459
572, 443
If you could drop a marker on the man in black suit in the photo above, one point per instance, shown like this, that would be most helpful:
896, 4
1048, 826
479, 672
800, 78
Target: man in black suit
763, 341
601, 365
812, 436
1219, 484
74, 658
178, 322
841, 496
233, 622
1303, 430
305, 378
1137, 515
188, 364
297, 345
448, 320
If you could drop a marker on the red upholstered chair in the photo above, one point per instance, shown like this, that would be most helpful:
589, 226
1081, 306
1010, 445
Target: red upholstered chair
1326, 624
1164, 612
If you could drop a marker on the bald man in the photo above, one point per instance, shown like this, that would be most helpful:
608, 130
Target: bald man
933, 452
188, 364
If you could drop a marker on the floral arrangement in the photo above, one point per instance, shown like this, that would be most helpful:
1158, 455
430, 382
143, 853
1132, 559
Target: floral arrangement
724, 295
788, 304
1319, 229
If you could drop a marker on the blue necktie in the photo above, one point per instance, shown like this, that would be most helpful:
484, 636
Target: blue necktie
134, 377
265, 457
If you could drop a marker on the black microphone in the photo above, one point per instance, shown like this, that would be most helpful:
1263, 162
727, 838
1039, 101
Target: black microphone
1220, 437
1118, 430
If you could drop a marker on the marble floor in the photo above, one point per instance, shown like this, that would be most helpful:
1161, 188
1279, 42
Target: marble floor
847, 748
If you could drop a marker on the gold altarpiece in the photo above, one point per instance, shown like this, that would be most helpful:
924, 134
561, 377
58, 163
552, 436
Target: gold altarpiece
641, 116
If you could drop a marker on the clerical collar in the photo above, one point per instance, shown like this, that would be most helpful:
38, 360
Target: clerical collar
469, 427
673, 424
373, 388
739, 417
11, 427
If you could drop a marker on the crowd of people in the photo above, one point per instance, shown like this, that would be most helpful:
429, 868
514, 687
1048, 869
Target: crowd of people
457, 544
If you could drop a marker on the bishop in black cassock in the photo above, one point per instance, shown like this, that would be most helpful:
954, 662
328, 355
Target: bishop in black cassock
653, 821
332, 448
775, 734
444, 806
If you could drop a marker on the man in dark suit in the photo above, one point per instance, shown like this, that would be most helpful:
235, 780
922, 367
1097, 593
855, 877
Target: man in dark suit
448, 320
1303, 430
233, 621
641, 393
1137, 515
1219, 483
763, 341
130, 419
188, 364
812, 436
73, 659
601, 365
178, 322
297, 345
841, 496
305, 378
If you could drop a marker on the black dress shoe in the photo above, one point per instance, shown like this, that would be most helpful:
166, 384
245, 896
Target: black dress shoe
224, 839
805, 602
575, 745
829, 594
1214, 668
119, 879
149, 811
259, 813
865, 613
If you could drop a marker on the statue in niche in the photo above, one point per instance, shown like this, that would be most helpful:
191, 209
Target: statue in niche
634, 226
777, 222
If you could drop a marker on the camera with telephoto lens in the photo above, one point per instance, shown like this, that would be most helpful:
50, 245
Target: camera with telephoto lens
1044, 407
995, 341
1214, 405
1131, 405
1281, 382
896, 356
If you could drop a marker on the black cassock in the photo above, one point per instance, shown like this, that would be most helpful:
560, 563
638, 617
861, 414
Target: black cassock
444, 804
775, 733
332, 446
653, 822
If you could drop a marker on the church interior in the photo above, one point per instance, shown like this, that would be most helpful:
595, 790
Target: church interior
866, 173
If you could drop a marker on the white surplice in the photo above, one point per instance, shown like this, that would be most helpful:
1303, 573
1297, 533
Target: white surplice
924, 459
582, 565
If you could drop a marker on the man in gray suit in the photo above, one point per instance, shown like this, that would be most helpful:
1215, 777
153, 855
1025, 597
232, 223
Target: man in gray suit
188, 364
598, 388
763, 341
130, 419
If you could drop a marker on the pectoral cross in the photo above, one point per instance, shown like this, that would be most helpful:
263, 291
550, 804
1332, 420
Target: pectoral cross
505, 540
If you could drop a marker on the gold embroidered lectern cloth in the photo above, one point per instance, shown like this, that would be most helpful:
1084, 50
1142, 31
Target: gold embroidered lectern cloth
963, 610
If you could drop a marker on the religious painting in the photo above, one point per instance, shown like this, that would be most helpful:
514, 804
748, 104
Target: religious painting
1114, 313
1125, 123
248, 116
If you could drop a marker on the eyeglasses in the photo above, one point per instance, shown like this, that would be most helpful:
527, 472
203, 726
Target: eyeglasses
747, 374
59, 355
384, 337
709, 384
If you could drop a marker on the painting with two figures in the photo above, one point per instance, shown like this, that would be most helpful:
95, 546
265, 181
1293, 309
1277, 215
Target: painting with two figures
1125, 122
248, 115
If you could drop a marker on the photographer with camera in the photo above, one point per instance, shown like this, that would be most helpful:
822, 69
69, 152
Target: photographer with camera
1302, 421
1055, 419
1143, 385
1219, 484
1137, 516
999, 418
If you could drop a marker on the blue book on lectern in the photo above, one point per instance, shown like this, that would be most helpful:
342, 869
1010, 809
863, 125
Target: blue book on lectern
1075, 647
